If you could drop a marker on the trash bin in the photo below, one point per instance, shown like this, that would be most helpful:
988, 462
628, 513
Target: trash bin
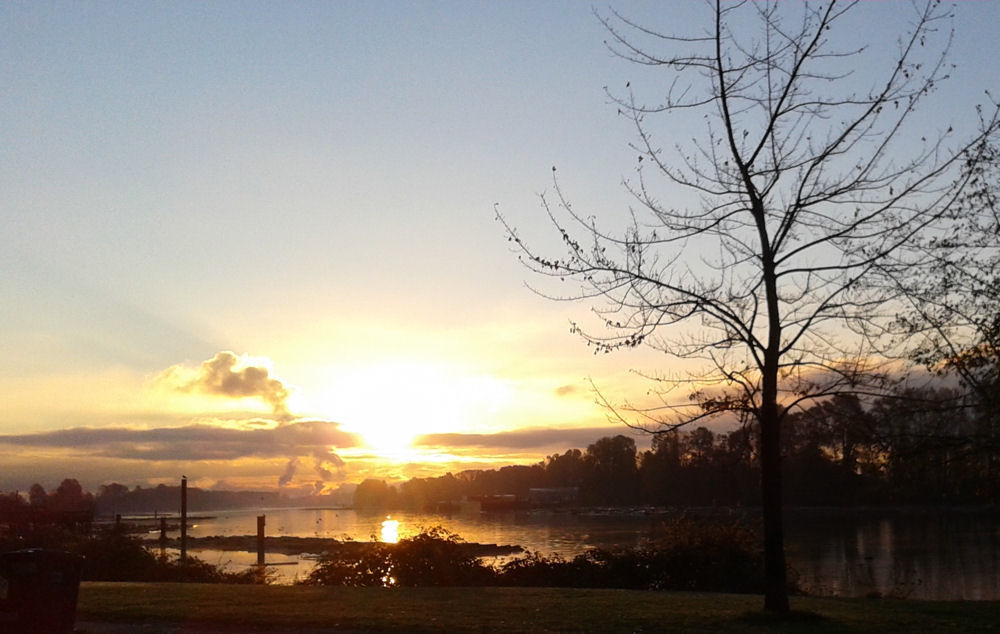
38, 590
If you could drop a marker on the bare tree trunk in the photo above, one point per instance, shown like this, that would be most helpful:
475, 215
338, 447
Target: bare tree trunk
769, 417
775, 582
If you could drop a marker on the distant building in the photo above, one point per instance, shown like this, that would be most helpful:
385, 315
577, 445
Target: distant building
553, 496
504, 502
465, 506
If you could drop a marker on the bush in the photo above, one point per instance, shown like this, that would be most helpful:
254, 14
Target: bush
435, 557
695, 556
690, 555
368, 565
112, 555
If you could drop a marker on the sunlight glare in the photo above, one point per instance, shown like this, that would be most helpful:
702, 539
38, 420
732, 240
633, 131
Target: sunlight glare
392, 403
390, 531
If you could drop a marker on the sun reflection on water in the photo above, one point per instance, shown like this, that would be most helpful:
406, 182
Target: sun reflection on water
390, 531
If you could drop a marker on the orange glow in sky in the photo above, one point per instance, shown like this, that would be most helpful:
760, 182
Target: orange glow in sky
256, 243
390, 404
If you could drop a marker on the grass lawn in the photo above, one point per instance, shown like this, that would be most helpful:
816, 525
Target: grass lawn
285, 608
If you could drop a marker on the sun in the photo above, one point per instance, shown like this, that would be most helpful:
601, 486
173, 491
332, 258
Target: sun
390, 404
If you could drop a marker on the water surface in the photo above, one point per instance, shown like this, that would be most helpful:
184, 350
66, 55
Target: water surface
927, 556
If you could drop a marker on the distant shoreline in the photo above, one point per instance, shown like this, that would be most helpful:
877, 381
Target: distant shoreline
287, 545
699, 511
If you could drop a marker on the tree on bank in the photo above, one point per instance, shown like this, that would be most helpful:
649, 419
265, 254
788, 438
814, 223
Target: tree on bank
953, 314
811, 175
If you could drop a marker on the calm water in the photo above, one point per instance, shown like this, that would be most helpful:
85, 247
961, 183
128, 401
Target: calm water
929, 557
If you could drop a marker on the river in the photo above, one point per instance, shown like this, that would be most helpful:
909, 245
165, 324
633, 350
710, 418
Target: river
916, 555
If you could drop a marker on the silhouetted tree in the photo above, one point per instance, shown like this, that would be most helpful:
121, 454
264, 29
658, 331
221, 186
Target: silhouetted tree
112, 491
923, 443
613, 472
566, 470
660, 470
829, 449
374, 494
111, 498
70, 496
12, 502
808, 182
954, 310
37, 495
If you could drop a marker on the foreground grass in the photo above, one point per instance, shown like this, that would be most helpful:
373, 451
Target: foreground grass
287, 608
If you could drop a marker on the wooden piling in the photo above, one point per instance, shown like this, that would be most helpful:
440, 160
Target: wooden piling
184, 518
163, 533
260, 540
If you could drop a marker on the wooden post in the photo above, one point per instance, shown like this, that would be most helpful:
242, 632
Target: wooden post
163, 533
118, 522
260, 540
184, 518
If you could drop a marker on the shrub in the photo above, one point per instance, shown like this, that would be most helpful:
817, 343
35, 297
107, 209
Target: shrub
367, 565
112, 555
435, 557
690, 555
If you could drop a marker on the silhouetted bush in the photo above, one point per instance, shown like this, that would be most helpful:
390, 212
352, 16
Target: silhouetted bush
37, 536
112, 555
536, 569
689, 555
194, 570
435, 557
366, 566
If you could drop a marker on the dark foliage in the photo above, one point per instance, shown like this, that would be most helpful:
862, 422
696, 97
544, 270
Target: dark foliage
435, 557
112, 555
923, 448
689, 555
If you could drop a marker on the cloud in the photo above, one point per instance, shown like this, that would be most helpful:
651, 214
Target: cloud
289, 474
566, 390
523, 439
314, 440
228, 375
325, 463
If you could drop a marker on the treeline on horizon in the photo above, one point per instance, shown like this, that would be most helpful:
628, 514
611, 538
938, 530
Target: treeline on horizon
922, 449
913, 449
69, 501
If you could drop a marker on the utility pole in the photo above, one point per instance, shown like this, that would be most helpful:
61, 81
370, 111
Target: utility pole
184, 518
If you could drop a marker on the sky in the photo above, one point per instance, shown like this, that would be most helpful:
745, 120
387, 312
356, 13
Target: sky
255, 242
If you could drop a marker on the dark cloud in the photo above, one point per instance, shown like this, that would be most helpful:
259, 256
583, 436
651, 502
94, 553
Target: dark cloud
223, 375
308, 438
523, 439
566, 390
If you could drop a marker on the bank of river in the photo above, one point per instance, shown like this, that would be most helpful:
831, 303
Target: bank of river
832, 552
